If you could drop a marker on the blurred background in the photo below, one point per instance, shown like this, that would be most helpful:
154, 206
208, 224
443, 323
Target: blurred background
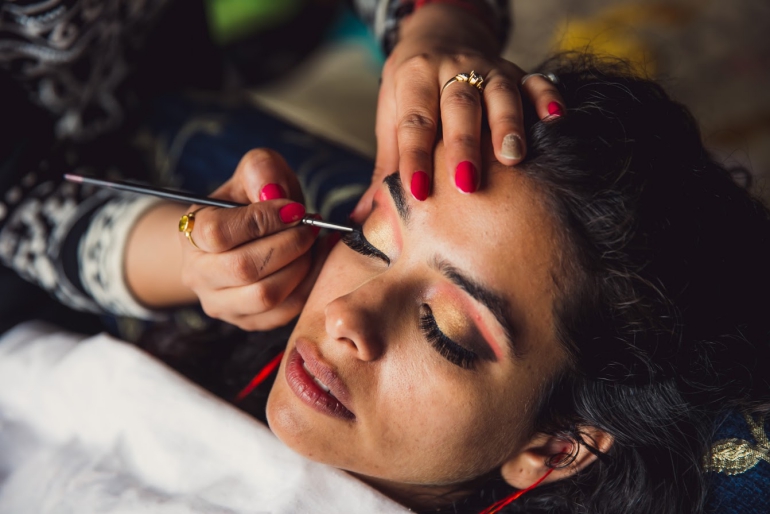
712, 55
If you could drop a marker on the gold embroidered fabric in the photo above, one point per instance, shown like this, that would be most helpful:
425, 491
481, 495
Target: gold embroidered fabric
735, 456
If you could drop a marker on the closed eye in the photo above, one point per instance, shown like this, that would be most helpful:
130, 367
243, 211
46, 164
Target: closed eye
358, 243
451, 351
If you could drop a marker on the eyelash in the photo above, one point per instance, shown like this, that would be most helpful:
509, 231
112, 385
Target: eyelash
357, 242
447, 348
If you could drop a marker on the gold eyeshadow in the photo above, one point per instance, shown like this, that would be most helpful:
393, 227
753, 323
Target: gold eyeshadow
454, 315
378, 234
383, 226
454, 320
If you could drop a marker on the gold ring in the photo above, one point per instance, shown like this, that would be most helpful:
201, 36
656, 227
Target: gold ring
186, 225
471, 78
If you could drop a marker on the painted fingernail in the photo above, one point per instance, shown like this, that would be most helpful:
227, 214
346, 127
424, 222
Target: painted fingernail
465, 177
291, 212
511, 147
554, 109
271, 192
420, 185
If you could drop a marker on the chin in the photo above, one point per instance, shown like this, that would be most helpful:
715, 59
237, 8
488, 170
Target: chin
294, 426
284, 420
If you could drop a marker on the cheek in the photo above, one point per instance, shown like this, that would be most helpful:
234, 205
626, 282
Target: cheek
341, 273
436, 428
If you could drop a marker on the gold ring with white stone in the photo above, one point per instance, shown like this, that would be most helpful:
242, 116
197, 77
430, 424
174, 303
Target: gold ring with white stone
471, 78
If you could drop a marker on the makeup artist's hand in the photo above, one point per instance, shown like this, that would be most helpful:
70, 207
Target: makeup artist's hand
436, 43
254, 266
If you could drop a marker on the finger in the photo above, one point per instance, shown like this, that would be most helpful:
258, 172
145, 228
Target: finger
253, 299
294, 303
262, 174
544, 95
417, 115
506, 120
220, 230
275, 318
386, 160
385, 129
364, 205
254, 261
461, 119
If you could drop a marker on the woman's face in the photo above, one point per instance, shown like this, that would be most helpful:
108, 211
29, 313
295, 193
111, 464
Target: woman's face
434, 346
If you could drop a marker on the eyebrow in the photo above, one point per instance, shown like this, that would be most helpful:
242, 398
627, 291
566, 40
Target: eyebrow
497, 305
396, 188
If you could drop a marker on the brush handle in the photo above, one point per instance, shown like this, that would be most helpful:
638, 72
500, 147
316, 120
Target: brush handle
168, 194
182, 197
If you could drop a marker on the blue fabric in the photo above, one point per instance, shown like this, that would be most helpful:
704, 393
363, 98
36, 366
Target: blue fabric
747, 492
203, 142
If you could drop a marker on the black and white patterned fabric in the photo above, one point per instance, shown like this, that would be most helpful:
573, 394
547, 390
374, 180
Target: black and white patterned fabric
70, 241
71, 56
101, 251
32, 237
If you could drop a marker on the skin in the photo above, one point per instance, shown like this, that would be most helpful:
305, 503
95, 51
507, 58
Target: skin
265, 272
250, 268
435, 43
423, 425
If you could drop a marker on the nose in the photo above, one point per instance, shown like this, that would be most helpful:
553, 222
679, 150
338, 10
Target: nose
356, 323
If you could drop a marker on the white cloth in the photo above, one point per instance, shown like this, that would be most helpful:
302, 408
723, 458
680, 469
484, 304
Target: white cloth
98, 426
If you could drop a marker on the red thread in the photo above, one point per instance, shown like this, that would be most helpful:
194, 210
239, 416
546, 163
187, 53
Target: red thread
495, 507
260, 377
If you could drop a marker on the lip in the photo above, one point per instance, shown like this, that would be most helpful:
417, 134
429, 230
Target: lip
336, 402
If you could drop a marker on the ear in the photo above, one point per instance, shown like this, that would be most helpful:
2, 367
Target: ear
532, 462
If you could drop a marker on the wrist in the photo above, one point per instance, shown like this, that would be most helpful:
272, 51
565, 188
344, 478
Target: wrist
153, 258
439, 21
478, 9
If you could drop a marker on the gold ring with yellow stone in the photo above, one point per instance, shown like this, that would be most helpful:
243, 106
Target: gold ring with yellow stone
186, 225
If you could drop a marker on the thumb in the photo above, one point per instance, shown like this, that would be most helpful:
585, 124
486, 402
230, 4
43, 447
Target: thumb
386, 162
262, 174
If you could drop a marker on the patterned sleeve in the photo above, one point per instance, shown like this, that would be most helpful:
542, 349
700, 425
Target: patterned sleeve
383, 17
68, 240
63, 67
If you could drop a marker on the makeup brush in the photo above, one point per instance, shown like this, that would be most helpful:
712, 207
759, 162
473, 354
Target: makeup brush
182, 197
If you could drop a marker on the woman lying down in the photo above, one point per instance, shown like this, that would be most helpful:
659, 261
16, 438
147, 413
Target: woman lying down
589, 329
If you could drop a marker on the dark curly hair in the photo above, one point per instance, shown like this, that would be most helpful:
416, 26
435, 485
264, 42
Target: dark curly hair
665, 312
665, 304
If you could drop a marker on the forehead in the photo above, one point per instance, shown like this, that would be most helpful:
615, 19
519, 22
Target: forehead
502, 235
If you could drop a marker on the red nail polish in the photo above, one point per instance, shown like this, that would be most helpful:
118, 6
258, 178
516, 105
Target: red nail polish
554, 109
292, 212
420, 185
465, 177
271, 192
